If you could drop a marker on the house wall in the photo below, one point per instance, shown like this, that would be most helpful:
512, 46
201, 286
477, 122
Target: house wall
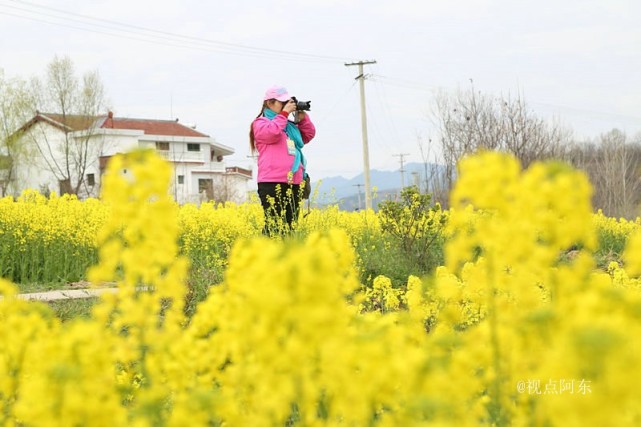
192, 165
185, 192
225, 187
32, 171
240, 185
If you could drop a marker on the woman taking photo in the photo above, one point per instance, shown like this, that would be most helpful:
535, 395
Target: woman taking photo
281, 164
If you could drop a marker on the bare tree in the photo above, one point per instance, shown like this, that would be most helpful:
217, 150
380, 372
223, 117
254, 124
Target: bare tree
224, 189
531, 138
77, 104
15, 110
613, 164
469, 121
433, 177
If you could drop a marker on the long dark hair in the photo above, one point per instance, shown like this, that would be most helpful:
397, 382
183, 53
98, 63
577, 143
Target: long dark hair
252, 143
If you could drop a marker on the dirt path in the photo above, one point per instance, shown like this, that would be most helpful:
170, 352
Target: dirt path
65, 294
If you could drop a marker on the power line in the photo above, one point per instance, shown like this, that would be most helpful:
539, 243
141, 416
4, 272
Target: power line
378, 138
404, 83
385, 103
160, 33
135, 32
333, 107
388, 118
137, 38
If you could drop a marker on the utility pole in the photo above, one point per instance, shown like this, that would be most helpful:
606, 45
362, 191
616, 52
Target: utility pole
359, 195
402, 170
361, 79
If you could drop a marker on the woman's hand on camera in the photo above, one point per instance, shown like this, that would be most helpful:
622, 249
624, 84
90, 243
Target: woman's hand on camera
290, 106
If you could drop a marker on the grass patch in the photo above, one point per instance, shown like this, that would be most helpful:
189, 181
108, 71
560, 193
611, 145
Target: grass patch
68, 309
28, 288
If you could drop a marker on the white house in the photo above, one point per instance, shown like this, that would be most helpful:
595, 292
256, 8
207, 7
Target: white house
69, 154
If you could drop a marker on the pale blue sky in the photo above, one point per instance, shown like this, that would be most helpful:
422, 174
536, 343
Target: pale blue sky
577, 60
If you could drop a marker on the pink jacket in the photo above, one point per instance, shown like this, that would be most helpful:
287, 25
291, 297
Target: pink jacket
274, 160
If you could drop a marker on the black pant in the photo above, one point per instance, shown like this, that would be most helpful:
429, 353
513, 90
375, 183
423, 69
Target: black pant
281, 204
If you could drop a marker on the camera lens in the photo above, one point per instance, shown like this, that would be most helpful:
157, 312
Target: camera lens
302, 105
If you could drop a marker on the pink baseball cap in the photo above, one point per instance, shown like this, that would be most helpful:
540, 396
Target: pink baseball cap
277, 92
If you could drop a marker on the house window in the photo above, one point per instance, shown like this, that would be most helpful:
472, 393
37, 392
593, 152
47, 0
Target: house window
181, 179
91, 179
162, 146
193, 147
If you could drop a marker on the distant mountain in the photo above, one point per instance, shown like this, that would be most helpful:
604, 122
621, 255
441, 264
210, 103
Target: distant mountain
384, 184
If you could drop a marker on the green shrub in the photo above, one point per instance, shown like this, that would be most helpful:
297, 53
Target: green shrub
415, 225
410, 241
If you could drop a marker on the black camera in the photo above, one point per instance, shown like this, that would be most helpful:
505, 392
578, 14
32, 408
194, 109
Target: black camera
302, 105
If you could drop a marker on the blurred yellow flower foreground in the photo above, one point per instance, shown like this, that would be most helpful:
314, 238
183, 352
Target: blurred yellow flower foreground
510, 332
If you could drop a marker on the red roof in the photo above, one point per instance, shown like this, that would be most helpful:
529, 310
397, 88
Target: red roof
68, 121
151, 127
